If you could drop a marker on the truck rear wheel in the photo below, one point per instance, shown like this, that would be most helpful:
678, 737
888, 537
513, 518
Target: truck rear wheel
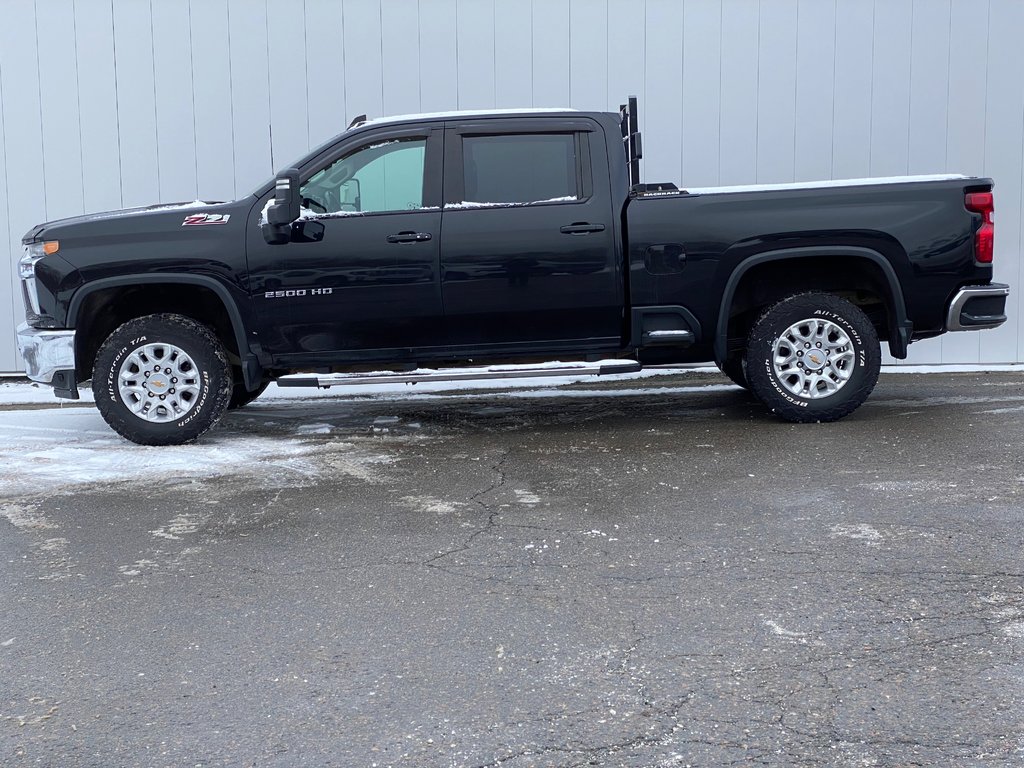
162, 380
813, 357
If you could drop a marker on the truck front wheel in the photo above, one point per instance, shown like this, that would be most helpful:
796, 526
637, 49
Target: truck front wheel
162, 380
813, 357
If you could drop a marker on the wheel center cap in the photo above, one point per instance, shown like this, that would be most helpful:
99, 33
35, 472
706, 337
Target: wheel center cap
816, 358
158, 383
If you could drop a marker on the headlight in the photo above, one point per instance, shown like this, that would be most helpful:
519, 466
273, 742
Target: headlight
27, 270
33, 253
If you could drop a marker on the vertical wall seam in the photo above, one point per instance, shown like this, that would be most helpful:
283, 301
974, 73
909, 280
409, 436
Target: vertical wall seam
910, 84
195, 124
796, 84
419, 52
607, 57
39, 92
910, 87
344, 75
270, 95
117, 104
721, 43
78, 102
984, 111
11, 251
1019, 352
757, 95
835, 67
682, 91
305, 71
494, 56
380, 24
156, 116
458, 85
871, 86
532, 62
231, 103
949, 56
568, 61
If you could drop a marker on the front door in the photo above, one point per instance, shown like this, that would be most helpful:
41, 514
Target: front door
528, 254
370, 289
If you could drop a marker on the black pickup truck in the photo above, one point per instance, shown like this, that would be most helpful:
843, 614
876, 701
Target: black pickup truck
468, 245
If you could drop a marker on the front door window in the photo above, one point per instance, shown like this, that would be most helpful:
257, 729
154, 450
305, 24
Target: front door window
382, 177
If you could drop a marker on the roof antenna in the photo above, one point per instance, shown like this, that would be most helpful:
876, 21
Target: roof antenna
357, 121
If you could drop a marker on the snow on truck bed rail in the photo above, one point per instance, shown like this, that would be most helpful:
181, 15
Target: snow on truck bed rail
824, 184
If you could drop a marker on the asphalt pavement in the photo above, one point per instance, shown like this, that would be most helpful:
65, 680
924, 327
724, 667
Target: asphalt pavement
643, 574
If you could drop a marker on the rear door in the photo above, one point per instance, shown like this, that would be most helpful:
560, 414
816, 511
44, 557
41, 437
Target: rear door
528, 255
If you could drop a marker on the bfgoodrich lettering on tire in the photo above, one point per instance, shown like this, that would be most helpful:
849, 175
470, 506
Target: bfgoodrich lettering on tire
813, 357
162, 380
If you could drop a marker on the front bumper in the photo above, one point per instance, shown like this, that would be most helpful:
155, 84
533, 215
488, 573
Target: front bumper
978, 307
49, 358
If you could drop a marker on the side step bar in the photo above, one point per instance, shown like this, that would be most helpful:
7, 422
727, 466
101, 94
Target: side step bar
325, 380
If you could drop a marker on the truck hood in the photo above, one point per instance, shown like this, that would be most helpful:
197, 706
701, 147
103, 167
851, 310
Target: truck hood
170, 215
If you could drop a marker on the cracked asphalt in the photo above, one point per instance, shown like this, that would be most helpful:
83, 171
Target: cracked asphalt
604, 578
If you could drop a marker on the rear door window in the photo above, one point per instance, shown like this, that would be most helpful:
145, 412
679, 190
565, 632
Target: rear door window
520, 168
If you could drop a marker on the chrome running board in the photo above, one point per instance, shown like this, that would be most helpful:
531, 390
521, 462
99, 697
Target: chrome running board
325, 380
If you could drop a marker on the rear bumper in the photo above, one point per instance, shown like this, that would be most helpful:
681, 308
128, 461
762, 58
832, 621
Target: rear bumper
978, 307
49, 358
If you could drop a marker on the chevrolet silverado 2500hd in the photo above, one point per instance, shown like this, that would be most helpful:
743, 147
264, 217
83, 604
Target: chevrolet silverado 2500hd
468, 245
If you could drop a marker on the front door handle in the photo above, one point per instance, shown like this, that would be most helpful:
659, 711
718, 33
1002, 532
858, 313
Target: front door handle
581, 228
409, 237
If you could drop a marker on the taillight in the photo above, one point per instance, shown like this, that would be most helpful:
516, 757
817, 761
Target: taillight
984, 238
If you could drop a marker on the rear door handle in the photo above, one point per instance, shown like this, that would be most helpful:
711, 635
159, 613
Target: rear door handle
581, 228
409, 237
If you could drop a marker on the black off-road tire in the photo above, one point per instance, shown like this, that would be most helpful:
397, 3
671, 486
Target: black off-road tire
240, 396
733, 368
213, 382
769, 387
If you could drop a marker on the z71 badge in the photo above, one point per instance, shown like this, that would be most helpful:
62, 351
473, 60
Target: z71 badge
205, 219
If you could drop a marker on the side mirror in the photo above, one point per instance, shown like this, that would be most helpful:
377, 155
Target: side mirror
285, 208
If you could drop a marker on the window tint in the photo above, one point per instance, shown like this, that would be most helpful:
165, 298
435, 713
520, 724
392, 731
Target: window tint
525, 168
381, 177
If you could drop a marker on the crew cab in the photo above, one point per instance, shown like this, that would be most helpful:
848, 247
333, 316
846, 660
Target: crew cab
494, 244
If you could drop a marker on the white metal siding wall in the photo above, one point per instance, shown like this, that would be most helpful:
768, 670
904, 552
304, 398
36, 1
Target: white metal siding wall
110, 103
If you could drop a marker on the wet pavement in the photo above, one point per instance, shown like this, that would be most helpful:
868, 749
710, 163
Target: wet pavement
650, 573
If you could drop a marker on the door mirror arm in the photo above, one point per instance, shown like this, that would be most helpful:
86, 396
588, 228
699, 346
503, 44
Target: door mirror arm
284, 209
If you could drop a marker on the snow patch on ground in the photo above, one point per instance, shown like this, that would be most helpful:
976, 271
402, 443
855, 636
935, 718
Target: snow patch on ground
861, 531
526, 497
431, 504
780, 631
25, 518
46, 450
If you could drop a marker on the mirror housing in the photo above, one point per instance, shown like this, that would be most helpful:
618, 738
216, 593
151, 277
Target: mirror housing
285, 208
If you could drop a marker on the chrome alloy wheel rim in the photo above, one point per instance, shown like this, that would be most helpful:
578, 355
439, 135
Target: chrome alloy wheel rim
813, 358
159, 382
